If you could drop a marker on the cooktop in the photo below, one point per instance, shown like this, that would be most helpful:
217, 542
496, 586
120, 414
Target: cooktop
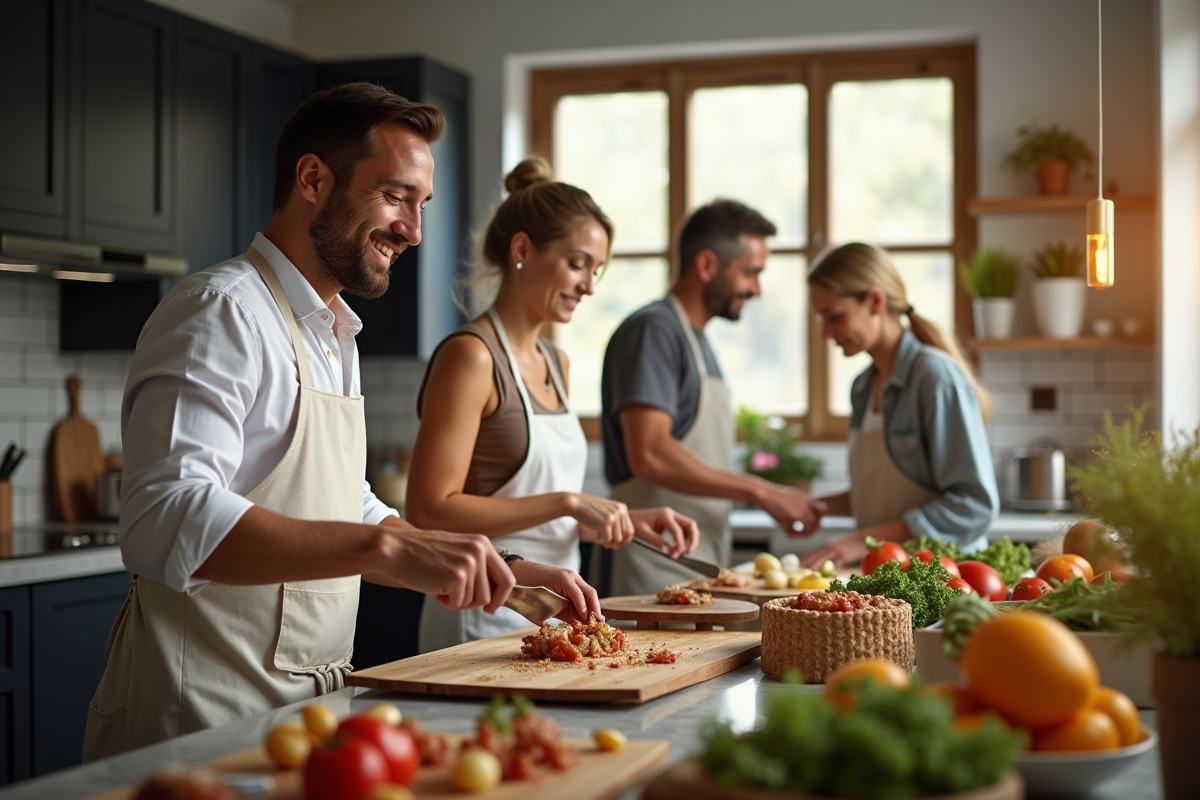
57, 537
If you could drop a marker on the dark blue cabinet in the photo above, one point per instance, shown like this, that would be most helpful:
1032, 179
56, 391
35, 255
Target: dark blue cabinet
15, 667
33, 73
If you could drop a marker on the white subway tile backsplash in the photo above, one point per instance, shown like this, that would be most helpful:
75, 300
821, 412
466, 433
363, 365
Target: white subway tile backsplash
1118, 371
19, 400
994, 372
27, 329
41, 295
10, 366
1060, 371
1093, 404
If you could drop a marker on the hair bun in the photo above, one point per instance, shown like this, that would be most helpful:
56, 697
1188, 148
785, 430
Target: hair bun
531, 171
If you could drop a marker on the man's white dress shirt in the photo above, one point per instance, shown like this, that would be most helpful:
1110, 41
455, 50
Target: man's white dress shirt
210, 408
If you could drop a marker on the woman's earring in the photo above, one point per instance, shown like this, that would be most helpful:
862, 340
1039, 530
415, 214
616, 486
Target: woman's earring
519, 265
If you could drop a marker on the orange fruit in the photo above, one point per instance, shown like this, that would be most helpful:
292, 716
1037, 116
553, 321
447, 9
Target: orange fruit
1094, 541
1059, 568
841, 686
1029, 668
962, 701
1080, 562
1121, 710
1088, 730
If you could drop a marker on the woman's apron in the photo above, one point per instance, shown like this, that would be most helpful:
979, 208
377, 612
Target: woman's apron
180, 663
879, 491
637, 571
555, 461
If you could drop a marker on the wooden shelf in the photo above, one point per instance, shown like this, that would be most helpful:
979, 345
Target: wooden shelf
1059, 204
1044, 343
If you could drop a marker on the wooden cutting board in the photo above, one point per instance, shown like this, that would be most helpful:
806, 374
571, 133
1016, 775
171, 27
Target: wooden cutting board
493, 666
598, 775
77, 461
648, 612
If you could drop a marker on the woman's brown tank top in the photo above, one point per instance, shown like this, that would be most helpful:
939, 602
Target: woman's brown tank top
503, 439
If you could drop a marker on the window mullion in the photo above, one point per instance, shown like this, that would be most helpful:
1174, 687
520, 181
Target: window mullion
677, 160
818, 227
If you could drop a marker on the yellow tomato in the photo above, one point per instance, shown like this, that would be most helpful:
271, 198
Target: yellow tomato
320, 721
1088, 730
288, 745
609, 739
813, 581
841, 687
765, 561
1121, 710
476, 770
775, 579
386, 712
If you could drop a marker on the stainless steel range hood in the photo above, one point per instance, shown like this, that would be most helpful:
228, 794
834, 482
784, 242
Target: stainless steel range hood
84, 261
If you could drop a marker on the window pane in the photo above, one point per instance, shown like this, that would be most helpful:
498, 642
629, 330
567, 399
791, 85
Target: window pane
891, 172
750, 143
615, 147
763, 354
626, 285
929, 282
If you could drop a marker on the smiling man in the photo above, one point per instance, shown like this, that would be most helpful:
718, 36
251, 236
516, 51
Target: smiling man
668, 422
246, 519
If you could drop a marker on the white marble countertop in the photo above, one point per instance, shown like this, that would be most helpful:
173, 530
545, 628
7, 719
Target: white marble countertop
60, 565
736, 696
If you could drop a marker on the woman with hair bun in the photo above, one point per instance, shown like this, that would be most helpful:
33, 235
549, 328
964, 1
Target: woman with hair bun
919, 458
499, 451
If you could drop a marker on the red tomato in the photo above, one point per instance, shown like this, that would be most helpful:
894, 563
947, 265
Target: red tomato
961, 585
346, 768
983, 579
395, 744
881, 552
1030, 588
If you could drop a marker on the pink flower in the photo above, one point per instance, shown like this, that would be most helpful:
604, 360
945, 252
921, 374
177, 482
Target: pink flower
761, 460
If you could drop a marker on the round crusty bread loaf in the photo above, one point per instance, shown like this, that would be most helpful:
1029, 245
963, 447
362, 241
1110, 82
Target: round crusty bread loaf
818, 642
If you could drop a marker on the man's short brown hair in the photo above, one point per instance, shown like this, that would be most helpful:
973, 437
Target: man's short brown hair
719, 226
338, 126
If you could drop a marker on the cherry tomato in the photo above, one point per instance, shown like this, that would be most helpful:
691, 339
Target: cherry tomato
394, 744
961, 585
881, 552
1059, 569
1030, 588
346, 768
983, 579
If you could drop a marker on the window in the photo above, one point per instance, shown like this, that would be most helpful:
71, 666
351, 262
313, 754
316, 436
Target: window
871, 146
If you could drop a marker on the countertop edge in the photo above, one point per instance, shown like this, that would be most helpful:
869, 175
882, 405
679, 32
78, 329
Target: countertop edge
60, 566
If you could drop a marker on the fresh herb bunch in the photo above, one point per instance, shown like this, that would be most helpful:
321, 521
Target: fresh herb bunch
1058, 260
498, 713
991, 272
1010, 560
1148, 491
1083, 606
1036, 145
893, 743
938, 547
772, 449
921, 587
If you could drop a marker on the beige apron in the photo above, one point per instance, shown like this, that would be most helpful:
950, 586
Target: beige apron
180, 663
555, 461
879, 491
637, 571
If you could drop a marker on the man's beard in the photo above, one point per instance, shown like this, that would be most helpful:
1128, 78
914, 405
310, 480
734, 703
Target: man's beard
719, 299
348, 259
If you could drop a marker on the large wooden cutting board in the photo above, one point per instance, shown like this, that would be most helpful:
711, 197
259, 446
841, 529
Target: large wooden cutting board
648, 612
493, 666
77, 461
598, 775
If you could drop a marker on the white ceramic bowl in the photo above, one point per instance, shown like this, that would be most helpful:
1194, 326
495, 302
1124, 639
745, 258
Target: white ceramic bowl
1080, 773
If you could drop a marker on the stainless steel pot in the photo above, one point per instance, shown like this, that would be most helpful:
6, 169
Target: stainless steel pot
1037, 478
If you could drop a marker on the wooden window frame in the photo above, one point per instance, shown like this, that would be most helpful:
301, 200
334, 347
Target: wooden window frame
818, 72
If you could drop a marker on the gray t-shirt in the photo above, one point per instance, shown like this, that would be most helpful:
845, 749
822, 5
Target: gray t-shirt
649, 362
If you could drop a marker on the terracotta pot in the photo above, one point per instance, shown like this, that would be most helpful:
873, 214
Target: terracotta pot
1054, 177
1174, 684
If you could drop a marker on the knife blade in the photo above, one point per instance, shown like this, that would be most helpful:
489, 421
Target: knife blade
536, 603
696, 565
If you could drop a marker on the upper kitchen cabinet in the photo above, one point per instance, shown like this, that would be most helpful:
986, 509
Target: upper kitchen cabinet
33, 73
418, 310
121, 131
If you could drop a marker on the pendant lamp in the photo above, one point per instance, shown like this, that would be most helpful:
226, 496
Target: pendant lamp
1100, 259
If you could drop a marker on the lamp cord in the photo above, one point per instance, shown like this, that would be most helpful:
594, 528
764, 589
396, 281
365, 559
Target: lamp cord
1100, 85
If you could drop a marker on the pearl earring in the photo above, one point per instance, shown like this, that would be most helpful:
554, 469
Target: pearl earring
519, 265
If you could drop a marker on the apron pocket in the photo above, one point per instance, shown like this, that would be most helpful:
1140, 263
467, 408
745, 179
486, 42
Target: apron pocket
316, 628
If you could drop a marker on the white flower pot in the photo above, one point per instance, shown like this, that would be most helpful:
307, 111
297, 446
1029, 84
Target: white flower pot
1058, 305
993, 317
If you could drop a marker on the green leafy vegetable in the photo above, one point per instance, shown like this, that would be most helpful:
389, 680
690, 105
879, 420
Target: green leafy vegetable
935, 546
963, 615
893, 743
494, 711
921, 587
1084, 606
1010, 560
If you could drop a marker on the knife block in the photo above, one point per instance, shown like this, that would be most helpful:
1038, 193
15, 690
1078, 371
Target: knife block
6, 507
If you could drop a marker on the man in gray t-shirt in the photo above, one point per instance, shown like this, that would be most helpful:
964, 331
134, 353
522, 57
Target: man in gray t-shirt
667, 418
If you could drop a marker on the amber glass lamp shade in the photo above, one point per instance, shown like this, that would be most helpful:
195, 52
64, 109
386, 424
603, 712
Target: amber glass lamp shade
1100, 259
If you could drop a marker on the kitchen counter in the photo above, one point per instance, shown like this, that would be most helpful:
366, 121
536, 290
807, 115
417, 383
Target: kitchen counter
55, 551
736, 696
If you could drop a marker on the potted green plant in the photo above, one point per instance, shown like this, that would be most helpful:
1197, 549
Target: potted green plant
990, 277
1147, 490
773, 452
1051, 151
1060, 290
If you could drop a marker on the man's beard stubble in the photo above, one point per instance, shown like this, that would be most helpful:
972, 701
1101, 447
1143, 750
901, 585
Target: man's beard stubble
347, 257
719, 298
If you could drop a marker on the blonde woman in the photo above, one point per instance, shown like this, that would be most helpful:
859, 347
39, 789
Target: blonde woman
499, 451
920, 464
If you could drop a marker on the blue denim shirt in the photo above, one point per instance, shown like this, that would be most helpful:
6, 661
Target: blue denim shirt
935, 435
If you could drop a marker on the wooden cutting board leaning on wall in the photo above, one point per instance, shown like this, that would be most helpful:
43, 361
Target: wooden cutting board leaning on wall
76, 461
